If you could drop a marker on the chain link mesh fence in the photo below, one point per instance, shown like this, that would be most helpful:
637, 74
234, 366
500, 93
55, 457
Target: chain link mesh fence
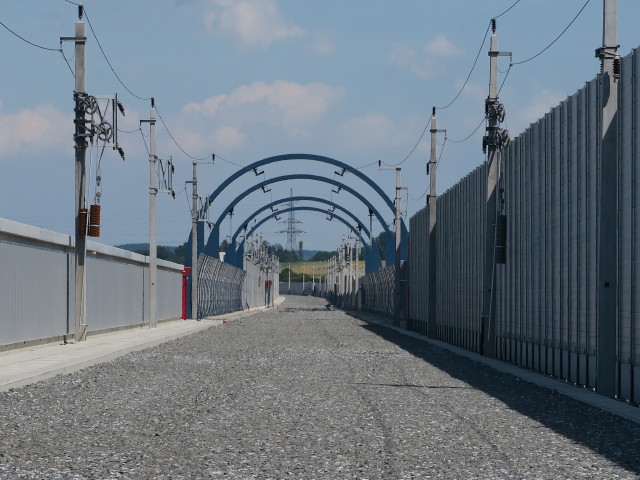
220, 287
377, 291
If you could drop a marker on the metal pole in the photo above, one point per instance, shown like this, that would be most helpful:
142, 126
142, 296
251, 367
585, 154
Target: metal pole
153, 240
350, 264
606, 383
488, 319
80, 182
357, 279
397, 294
432, 330
194, 245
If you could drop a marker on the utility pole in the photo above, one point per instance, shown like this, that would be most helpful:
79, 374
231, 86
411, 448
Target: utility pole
350, 263
432, 330
357, 276
606, 383
80, 138
495, 139
194, 244
153, 239
398, 225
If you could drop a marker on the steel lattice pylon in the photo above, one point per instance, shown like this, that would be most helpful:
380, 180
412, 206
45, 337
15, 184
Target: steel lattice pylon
292, 231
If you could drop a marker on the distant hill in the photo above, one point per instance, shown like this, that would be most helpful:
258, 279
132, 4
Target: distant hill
164, 253
167, 252
307, 254
134, 247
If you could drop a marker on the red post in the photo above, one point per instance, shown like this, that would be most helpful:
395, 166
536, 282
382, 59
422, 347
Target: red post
185, 275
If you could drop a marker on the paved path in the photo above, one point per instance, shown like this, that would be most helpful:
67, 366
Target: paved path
304, 392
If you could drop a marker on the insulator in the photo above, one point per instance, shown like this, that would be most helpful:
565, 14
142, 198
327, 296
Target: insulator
121, 108
493, 25
500, 112
94, 231
80, 12
82, 223
505, 138
485, 142
94, 215
486, 108
616, 66
121, 152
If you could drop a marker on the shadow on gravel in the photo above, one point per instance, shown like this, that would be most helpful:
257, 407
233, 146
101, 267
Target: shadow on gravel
614, 438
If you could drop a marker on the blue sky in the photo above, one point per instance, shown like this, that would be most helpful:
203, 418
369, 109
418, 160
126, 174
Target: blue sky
247, 79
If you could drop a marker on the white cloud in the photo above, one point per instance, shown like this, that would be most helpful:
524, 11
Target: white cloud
423, 63
441, 47
474, 91
541, 103
230, 121
323, 45
229, 138
251, 22
41, 129
287, 104
374, 130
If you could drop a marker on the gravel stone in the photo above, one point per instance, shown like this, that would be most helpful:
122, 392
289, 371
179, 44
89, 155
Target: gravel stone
304, 392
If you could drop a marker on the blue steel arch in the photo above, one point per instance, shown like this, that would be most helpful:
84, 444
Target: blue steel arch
234, 255
298, 199
301, 156
214, 238
303, 208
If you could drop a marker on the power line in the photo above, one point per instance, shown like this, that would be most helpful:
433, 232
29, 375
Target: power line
484, 40
471, 134
498, 16
367, 165
143, 98
437, 165
67, 62
107, 59
556, 39
473, 66
175, 141
29, 42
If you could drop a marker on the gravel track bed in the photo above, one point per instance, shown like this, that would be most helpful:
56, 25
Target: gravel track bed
304, 392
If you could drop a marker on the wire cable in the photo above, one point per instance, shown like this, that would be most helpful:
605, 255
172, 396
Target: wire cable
67, 62
505, 78
556, 39
498, 16
475, 62
471, 134
29, 42
428, 190
107, 59
145, 142
175, 141
366, 165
